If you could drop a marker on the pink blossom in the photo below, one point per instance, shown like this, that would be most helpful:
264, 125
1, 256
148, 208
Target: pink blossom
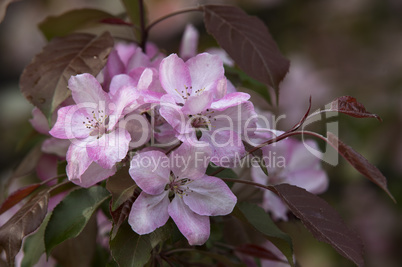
196, 196
93, 126
197, 101
289, 161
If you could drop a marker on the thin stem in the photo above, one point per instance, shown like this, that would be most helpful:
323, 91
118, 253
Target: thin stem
171, 15
247, 182
53, 178
144, 32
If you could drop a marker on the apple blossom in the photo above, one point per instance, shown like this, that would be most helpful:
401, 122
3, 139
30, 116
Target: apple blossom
177, 186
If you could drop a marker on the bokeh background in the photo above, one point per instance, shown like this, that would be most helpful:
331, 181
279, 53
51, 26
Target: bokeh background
336, 48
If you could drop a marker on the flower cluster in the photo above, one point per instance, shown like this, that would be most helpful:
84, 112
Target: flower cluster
169, 119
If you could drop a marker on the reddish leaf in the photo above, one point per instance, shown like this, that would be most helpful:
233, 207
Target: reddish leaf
349, 105
17, 196
258, 252
322, 221
120, 215
115, 21
44, 80
24, 222
359, 163
247, 40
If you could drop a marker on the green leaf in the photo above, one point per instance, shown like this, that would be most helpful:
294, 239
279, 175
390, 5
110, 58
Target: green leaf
239, 78
72, 214
131, 250
44, 81
24, 222
134, 13
121, 186
34, 245
262, 222
78, 251
66, 23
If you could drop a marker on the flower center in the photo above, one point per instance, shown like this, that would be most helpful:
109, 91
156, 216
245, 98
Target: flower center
179, 186
202, 120
97, 124
186, 92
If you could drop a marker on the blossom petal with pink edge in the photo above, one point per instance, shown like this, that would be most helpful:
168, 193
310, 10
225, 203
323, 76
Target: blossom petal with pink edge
238, 118
175, 78
70, 123
138, 59
190, 161
114, 66
194, 227
230, 100
86, 89
210, 196
149, 212
173, 115
189, 42
205, 70
109, 148
93, 175
150, 170
197, 103
39, 121
77, 161
119, 81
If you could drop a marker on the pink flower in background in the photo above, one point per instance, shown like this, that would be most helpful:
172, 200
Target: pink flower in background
180, 176
130, 59
53, 149
289, 161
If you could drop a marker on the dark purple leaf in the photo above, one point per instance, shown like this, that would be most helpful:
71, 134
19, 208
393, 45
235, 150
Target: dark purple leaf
24, 222
359, 162
349, 105
44, 80
17, 196
247, 40
322, 221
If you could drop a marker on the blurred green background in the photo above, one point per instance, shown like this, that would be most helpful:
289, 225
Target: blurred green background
336, 48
